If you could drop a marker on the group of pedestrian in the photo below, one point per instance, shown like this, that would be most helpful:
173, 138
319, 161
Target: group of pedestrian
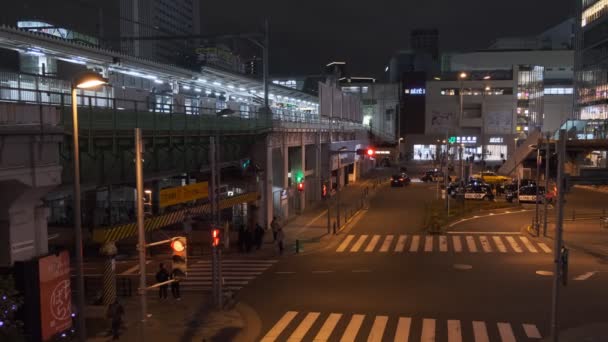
162, 276
250, 237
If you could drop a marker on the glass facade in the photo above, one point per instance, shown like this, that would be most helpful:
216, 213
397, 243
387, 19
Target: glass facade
530, 92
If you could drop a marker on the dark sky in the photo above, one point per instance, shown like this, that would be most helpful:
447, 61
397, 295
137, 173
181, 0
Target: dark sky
306, 34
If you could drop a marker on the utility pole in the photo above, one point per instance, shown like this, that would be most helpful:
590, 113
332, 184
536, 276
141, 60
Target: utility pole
547, 159
557, 250
538, 162
140, 230
266, 62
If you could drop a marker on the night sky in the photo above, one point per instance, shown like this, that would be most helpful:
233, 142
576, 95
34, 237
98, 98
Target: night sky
306, 34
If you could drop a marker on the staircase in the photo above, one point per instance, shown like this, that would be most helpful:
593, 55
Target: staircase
521, 153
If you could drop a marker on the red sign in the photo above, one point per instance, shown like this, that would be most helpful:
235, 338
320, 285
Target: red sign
55, 294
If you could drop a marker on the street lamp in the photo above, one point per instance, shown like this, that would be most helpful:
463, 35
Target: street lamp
462, 76
86, 80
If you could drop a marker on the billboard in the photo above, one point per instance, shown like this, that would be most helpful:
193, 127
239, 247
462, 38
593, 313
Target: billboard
182, 194
55, 294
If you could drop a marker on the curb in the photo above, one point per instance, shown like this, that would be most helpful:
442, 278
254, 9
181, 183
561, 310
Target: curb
251, 321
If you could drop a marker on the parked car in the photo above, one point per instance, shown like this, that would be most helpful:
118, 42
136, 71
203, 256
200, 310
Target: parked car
527, 194
478, 192
490, 177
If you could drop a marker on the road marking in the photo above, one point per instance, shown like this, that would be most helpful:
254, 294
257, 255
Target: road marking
514, 244
544, 247
284, 272
345, 243
359, 243
506, 333
415, 243
302, 329
428, 330
486, 232
501, 246
375, 335
328, 327
322, 272
471, 244
278, 328
480, 332
544, 273
462, 266
443, 243
352, 329
403, 329
485, 244
585, 276
388, 241
454, 331
400, 243
528, 244
457, 244
531, 331
428, 243
372, 244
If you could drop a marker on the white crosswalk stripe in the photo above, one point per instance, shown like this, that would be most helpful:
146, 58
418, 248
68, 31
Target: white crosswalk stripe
400, 243
458, 243
235, 274
295, 326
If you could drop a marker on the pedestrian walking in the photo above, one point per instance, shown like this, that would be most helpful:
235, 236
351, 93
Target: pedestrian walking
249, 237
175, 275
259, 236
241, 241
162, 276
274, 225
115, 313
280, 238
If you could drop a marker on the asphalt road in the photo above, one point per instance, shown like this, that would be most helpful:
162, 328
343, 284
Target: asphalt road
383, 280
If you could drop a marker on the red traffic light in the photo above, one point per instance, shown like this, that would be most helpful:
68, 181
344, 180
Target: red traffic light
178, 245
215, 234
300, 186
370, 152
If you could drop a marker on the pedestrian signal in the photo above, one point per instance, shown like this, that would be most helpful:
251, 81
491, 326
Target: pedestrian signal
215, 237
300, 187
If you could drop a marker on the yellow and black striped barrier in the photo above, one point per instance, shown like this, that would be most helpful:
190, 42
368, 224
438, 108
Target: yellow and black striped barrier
127, 230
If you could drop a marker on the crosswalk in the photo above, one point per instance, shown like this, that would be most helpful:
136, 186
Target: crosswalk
235, 273
296, 326
456, 243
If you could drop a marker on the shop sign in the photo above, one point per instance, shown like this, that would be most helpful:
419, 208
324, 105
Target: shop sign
415, 91
55, 294
496, 140
463, 140
383, 152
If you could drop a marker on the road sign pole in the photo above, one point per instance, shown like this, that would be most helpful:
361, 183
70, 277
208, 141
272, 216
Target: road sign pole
140, 230
547, 159
557, 251
536, 207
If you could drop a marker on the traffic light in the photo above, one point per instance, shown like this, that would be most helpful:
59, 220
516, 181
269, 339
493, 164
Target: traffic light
371, 152
300, 186
215, 237
324, 190
179, 248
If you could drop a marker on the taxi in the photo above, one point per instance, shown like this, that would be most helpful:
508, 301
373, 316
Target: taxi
490, 177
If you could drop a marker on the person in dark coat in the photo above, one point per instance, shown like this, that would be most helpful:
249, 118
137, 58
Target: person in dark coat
259, 235
161, 276
115, 313
249, 236
176, 274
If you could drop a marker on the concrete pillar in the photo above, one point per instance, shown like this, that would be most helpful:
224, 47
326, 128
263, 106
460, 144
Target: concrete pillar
268, 176
285, 156
303, 164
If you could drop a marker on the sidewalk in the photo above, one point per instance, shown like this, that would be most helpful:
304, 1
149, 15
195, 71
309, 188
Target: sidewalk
588, 333
586, 235
191, 319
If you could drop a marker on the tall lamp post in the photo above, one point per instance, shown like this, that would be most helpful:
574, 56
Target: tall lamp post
85, 80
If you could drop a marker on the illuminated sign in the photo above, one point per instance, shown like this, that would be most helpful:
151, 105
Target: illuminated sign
383, 152
463, 140
415, 91
496, 140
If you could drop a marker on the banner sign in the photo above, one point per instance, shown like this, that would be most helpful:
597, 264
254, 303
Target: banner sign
55, 294
182, 194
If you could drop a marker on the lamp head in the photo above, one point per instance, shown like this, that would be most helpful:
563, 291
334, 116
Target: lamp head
88, 80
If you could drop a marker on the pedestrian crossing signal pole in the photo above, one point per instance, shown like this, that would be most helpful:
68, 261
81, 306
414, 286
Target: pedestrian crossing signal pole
217, 268
558, 252
140, 229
